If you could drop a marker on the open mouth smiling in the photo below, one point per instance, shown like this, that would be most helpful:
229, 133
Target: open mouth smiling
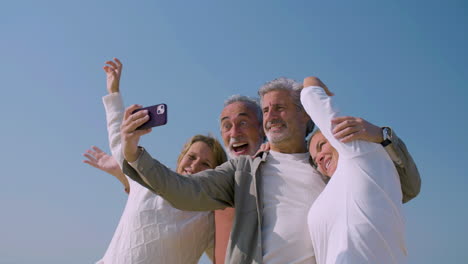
240, 147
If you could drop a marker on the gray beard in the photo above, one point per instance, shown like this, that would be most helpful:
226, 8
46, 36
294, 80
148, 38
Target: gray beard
277, 138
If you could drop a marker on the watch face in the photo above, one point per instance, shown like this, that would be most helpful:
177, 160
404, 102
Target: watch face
386, 136
385, 133
388, 133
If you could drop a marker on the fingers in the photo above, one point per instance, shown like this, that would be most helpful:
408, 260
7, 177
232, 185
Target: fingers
107, 69
93, 156
346, 128
113, 64
113, 67
130, 110
311, 81
343, 122
327, 91
91, 163
90, 157
340, 119
118, 62
90, 160
92, 153
98, 150
265, 146
348, 134
351, 137
133, 121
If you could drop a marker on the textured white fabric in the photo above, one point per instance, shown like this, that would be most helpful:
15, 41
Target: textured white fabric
358, 217
290, 185
150, 229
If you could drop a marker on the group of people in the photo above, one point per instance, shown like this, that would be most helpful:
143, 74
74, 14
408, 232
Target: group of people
335, 198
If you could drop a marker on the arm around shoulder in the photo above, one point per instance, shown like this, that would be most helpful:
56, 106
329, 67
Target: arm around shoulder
407, 170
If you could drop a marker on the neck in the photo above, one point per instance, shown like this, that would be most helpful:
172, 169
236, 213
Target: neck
289, 147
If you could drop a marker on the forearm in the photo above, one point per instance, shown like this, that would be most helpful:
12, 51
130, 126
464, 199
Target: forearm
122, 179
114, 107
204, 191
406, 167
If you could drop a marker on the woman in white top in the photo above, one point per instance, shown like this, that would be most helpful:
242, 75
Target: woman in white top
358, 217
150, 229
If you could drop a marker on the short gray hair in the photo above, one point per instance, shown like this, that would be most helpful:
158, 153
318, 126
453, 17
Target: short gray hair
252, 102
294, 88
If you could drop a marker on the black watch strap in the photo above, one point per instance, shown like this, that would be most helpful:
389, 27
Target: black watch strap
387, 135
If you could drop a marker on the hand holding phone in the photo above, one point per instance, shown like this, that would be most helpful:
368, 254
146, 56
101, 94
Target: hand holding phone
157, 116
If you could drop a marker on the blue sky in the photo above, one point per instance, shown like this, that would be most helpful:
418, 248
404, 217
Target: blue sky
395, 63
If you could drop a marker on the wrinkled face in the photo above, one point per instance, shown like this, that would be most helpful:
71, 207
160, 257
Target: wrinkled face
199, 157
240, 129
323, 154
282, 120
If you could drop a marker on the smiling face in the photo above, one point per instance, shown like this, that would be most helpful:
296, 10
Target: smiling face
323, 154
199, 157
283, 121
240, 129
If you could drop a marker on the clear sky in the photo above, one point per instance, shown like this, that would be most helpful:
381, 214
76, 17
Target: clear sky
399, 63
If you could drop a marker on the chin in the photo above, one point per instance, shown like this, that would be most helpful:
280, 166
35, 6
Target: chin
275, 137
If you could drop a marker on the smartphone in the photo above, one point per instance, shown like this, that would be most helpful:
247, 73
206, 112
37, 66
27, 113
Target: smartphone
157, 116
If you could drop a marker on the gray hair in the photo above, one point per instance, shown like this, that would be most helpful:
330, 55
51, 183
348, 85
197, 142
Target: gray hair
294, 88
252, 102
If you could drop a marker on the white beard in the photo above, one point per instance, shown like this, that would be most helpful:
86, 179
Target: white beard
277, 137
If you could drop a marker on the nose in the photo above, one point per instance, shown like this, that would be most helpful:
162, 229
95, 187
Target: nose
236, 131
270, 115
196, 166
319, 158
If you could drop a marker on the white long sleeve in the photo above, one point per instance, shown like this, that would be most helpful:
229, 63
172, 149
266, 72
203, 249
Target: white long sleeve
114, 107
321, 108
358, 217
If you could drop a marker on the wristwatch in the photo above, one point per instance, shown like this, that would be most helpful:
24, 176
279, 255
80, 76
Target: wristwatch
387, 136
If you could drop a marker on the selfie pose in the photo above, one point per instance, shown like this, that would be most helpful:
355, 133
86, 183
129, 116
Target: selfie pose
270, 192
358, 217
150, 229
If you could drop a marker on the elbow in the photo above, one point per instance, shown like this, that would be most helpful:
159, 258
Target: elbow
410, 193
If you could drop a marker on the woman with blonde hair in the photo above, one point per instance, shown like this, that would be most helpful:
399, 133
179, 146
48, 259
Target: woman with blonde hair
150, 229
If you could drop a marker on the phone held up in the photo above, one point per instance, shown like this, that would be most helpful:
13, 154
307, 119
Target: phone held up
157, 116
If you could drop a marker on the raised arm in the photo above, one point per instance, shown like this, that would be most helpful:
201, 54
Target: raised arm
101, 160
114, 107
205, 191
347, 129
317, 101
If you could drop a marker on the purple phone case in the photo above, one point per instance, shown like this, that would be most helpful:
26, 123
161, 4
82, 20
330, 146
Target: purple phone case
157, 114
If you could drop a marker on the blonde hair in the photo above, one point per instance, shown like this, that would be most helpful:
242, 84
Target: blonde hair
219, 154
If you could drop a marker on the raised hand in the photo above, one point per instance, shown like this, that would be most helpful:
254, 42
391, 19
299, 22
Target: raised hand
113, 71
314, 81
101, 160
129, 135
349, 128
